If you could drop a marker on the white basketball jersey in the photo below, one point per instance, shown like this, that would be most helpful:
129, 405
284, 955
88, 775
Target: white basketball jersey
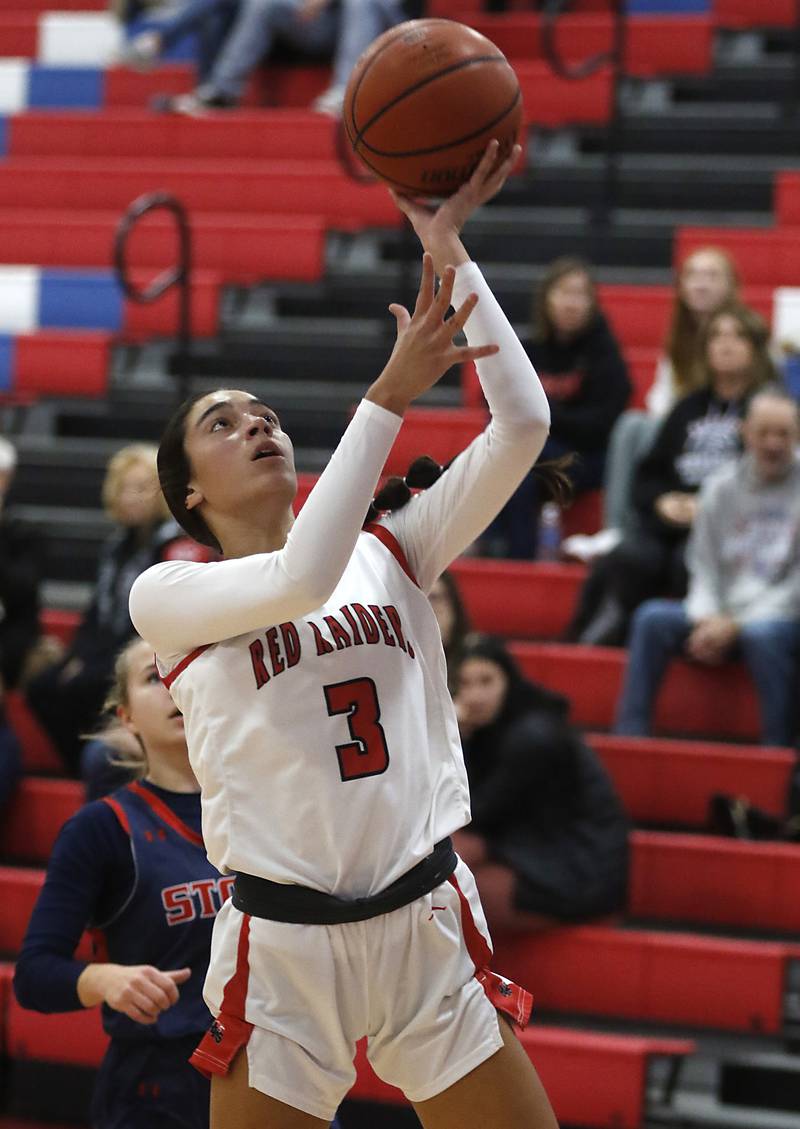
327, 747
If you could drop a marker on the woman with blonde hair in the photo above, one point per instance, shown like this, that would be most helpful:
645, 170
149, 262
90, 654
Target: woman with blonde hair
133, 868
67, 696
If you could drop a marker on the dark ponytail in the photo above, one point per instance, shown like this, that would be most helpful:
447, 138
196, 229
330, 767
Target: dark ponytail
397, 492
174, 472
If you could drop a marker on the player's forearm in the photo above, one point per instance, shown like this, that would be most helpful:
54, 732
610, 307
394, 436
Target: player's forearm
512, 388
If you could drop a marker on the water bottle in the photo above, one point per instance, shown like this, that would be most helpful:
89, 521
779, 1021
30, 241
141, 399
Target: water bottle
549, 544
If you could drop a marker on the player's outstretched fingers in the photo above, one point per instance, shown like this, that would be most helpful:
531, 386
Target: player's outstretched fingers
475, 353
444, 295
459, 318
427, 285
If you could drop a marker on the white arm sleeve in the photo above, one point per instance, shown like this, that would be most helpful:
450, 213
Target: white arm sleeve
178, 605
441, 522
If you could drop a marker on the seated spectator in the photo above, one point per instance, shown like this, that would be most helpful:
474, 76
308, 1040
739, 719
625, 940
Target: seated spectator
696, 438
548, 842
581, 368
451, 615
744, 587
160, 26
68, 695
318, 28
20, 571
706, 281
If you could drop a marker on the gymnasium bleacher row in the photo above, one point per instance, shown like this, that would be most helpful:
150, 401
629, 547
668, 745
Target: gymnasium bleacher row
707, 947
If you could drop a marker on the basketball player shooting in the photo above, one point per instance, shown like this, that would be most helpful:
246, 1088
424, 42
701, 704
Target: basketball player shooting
309, 668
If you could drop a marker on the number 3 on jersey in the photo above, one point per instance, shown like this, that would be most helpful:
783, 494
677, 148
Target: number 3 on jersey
367, 754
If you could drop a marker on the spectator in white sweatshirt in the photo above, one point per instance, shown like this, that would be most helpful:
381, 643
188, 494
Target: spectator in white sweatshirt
744, 578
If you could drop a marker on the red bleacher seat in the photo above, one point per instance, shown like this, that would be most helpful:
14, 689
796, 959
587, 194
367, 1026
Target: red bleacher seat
19, 33
60, 623
658, 44
439, 432
35, 817
787, 199
62, 362
279, 135
19, 888
38, 753
6, 976
675, 978
30, 6
765, 257
74, 1038
693, 699
671, 782
552, 101
715, 881
516, 598
246, 247
754, 13
591, 1079
143, 320
225, 187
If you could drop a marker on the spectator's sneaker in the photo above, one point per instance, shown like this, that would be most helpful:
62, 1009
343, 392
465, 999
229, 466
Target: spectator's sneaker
330, 102
142, 52
586, 547
195, 104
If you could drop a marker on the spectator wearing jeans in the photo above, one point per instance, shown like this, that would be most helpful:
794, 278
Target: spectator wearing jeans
155, 28
697, 437
744, 587
320, 28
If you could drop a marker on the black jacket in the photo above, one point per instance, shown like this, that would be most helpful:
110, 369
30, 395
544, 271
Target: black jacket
547, 808
586, 381
20, 572
696, 438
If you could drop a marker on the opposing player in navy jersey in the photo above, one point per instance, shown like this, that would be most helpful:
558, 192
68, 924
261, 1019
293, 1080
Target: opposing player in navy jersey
309, 667
133, 868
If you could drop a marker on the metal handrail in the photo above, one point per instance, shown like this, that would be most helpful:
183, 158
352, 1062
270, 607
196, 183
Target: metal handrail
551, 13
615, 59
178, 275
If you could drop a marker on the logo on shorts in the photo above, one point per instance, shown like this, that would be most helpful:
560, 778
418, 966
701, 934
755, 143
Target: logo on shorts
504, 990
217, 1031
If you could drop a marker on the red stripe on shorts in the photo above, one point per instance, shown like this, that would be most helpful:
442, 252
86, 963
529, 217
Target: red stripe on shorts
230, 1031
504, 994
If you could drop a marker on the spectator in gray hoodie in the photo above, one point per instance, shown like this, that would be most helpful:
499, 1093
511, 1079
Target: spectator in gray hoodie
744, 578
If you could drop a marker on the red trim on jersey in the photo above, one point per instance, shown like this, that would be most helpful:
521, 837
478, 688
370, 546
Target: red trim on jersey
230, 1031
165, 814
119, 812
393, 545
168, 679
506, 996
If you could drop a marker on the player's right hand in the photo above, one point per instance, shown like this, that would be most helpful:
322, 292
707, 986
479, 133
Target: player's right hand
141, 991
424, 349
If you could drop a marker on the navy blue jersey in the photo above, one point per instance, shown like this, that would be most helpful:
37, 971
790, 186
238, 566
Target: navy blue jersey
167, 918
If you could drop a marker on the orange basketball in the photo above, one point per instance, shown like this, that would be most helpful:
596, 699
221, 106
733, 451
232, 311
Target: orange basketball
423, 102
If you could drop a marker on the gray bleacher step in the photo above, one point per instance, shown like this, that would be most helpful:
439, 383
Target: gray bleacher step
723, 132
66, 595
764, 80
704, 1111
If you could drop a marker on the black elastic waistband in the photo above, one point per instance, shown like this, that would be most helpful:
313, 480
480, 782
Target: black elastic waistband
278, 901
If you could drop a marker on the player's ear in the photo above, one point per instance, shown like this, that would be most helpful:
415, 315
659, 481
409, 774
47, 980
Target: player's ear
193, 497
124, 718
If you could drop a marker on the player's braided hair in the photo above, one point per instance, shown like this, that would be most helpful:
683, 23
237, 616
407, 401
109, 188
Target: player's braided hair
397, 492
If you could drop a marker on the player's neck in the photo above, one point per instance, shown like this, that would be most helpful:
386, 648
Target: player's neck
242, 536
172, 772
